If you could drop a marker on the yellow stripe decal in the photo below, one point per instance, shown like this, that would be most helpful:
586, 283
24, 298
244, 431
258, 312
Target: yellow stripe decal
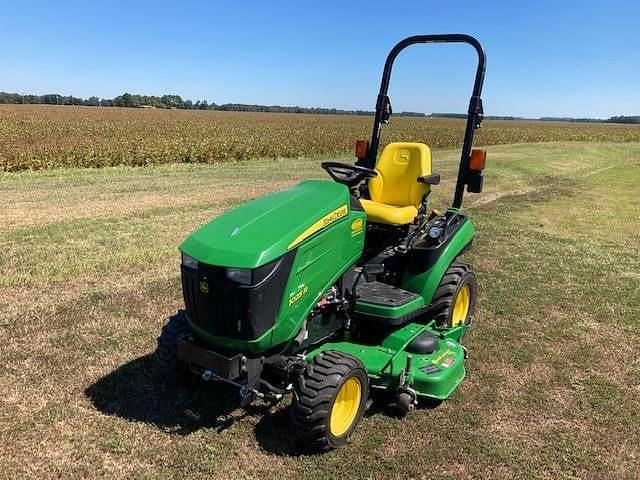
325, 221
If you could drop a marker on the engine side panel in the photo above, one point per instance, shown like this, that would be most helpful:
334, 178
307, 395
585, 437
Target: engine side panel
319, 263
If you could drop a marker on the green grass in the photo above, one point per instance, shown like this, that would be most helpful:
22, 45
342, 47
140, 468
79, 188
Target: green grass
89, 273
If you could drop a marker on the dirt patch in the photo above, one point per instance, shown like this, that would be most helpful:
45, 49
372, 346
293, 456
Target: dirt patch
496, 196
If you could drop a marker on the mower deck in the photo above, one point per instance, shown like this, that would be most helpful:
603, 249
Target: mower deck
433, 369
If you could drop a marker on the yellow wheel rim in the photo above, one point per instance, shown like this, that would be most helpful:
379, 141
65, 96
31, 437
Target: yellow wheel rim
345, 407
461, 306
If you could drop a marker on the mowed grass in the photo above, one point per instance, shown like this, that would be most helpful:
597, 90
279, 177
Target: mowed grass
90, 272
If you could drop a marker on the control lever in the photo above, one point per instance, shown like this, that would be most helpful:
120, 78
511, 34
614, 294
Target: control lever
372, 269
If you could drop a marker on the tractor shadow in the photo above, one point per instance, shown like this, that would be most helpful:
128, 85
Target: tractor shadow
274, 435
135, 392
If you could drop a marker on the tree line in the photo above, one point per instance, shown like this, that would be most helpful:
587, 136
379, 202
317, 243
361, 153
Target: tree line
615, 119
176, 101
635, 119
173, 101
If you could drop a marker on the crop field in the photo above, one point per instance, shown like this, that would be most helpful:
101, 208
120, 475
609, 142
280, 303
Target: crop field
40, 137
89, 272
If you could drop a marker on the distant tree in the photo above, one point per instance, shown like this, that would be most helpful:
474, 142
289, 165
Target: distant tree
50, 99
625, 119
124, 100
172, 101
10, 97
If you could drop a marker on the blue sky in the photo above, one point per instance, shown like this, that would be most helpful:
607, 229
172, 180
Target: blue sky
544, 57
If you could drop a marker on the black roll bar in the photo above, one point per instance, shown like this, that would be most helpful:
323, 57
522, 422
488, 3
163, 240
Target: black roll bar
474, 114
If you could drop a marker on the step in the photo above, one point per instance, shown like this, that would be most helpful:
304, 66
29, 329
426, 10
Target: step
384, 303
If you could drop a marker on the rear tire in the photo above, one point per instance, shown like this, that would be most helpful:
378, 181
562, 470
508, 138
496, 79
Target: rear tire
169, 366
454, 302
329, 400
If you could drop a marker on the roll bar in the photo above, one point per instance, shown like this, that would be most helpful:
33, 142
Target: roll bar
474, 113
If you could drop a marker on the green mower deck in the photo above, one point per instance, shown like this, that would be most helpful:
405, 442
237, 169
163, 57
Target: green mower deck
392, 365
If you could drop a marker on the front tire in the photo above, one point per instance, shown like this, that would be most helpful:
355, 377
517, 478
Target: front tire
329, 400
454, 302
169, 365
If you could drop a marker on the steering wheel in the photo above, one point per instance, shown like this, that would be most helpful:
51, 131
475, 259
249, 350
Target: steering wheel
347, 174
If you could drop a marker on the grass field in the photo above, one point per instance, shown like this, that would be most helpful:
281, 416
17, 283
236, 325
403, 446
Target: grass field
39, 137
90, 271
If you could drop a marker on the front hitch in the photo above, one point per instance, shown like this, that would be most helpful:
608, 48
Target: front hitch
238, 370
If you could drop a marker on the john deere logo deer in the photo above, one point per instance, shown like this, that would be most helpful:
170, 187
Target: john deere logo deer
204, 287
356, 227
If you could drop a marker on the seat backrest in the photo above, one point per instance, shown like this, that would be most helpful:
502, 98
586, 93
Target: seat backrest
399, 167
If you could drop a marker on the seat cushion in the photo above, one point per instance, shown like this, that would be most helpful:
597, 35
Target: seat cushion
382, 213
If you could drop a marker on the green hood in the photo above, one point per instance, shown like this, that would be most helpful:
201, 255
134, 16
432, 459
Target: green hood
266, 228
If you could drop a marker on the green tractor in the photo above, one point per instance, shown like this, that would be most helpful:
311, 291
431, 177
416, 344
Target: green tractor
332, 289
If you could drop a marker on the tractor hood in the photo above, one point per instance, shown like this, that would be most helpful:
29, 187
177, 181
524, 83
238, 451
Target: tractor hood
266, 228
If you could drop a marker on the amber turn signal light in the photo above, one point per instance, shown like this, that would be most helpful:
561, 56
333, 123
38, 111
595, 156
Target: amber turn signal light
478, 159
361, 148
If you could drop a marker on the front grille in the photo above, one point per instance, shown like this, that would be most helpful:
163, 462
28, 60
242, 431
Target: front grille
229, 310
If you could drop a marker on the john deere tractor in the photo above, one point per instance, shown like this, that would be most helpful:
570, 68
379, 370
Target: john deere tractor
332, 289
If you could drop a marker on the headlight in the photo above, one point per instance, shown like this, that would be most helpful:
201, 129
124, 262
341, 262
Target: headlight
239, 275
189, 262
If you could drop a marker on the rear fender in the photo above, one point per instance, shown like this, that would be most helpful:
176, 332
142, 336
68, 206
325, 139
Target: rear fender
426, 283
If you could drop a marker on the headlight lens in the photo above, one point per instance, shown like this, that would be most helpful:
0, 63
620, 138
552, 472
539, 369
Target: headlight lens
239, 275
189, 262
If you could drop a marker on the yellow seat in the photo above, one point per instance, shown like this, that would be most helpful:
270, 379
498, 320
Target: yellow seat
395, 193
382, 213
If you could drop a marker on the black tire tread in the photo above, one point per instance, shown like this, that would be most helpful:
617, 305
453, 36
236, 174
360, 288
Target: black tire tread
167, 350
442, 301
314, 393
